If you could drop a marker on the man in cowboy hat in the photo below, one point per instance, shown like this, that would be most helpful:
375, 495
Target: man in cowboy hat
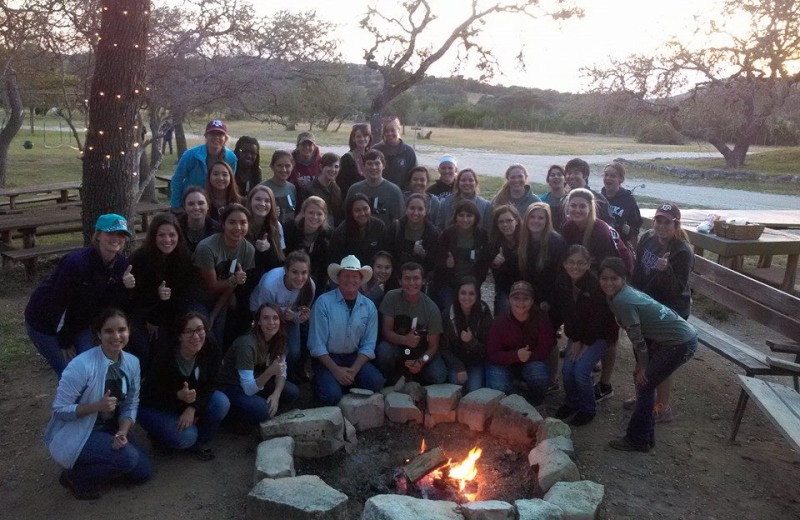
342, 335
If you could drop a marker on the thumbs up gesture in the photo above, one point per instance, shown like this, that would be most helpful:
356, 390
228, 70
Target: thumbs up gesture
663, 262
164, 292
240, 276
263, 244
128, 280
499, 259
186, 394
107, 403
450, 262
466, 335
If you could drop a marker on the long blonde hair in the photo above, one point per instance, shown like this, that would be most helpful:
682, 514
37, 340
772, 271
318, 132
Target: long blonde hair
504, 195
319, 202
270, 225
525, 239
583, 193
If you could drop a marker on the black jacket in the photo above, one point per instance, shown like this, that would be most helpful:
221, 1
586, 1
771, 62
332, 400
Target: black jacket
402, 249
448, 243
587, 317
670, 286
455, 352
625, 211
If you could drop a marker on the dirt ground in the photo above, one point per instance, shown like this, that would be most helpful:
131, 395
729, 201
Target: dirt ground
694, 472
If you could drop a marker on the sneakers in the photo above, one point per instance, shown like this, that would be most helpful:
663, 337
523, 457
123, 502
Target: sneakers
623, 444
582, 418
552, 388
81, 494
602, 392
663, 414
565, 411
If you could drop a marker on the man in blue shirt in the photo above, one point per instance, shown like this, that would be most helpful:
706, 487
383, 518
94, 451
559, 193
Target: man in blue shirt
342, 335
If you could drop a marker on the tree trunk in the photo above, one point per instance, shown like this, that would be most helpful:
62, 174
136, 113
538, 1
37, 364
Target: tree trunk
110, 161
16, 115
375, 121
180, 134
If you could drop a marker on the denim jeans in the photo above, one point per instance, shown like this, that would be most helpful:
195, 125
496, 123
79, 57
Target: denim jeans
51, 350
577, 376
501, 304
329, 391
389, 358
475, 377
535, 374
163, 426
98, 462
444, 297
255, 408
664, 360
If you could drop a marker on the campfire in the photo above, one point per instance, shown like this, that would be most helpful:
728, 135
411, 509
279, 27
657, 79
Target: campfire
432, 475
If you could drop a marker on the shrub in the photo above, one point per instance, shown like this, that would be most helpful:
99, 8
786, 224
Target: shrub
659, 133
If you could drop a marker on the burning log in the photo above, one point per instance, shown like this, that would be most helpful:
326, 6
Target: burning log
424, 463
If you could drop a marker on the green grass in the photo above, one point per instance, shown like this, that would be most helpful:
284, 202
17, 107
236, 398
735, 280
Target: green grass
775, 162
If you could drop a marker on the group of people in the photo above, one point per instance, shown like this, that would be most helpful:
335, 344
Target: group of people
351, 271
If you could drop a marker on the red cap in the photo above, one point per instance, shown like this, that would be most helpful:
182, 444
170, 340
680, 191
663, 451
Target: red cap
669, 210
216, 125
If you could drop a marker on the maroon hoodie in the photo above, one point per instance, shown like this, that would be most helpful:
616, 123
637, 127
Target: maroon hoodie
508, 335
302, 174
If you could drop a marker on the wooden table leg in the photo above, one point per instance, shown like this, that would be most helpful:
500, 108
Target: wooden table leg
738, 414
728, 261
29, 241
64, 197
765, 261
699, 251
12, 202
790, 276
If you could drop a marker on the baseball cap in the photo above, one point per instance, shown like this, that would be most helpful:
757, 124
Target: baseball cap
306, 136
217, 125
668, 210
521, 287
112, 223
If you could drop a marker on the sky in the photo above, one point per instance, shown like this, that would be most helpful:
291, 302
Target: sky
555, 51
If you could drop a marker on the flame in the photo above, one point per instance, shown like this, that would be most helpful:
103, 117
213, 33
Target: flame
466, 471
423, 448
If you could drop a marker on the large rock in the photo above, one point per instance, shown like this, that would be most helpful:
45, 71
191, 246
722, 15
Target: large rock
363, 412
578, 500
538, 509
554, 466
350, 438
400, 408
515, 420
415, 390
317, 432
488, 510
443, 398
476, 408
431, 420
401, 507
274, 459
555, 443
550, 428
298, 498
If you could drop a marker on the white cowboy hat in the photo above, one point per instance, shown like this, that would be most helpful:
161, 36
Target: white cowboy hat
350, 263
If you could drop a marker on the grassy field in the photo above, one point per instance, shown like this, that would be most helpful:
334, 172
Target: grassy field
773, 162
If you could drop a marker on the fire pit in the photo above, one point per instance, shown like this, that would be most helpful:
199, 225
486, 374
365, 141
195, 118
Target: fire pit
481, 447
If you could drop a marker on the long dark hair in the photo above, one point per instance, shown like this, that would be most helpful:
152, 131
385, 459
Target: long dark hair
181, 251
270, 225
274, 348
364, 128
106, 314
350, 224
306, 294
184, 319
232, 191
461, 320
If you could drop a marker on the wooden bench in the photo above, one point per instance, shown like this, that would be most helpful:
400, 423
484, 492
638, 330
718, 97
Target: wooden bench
779, 403
752, 299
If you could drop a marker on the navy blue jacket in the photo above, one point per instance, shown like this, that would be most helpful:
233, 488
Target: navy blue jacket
80, 287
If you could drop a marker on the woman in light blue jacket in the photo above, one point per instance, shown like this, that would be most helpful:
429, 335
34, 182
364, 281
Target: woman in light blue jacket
193, 167
93, 411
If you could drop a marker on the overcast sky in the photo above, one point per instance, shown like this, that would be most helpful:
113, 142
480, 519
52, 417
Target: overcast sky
555, 51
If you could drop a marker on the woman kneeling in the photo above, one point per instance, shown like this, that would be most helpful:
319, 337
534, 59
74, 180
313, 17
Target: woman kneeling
180, 408
253, 373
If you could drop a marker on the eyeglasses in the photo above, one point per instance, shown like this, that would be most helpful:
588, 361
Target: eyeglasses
200, 331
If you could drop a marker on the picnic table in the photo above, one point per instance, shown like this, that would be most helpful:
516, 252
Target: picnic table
731, 253
771, 218
66, 220
63, 188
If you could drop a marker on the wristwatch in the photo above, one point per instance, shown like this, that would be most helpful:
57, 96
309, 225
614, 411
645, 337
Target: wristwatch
425, 358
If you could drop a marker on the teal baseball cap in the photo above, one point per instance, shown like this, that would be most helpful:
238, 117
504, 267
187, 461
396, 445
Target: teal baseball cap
112, 223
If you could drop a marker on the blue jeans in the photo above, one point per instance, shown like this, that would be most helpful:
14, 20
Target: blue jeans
577, 376
389, 358
475, 377
444, 297
664, 360
535, 374
163, 426
255, 409
51, 350
98, 462
501, 304
329, 391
